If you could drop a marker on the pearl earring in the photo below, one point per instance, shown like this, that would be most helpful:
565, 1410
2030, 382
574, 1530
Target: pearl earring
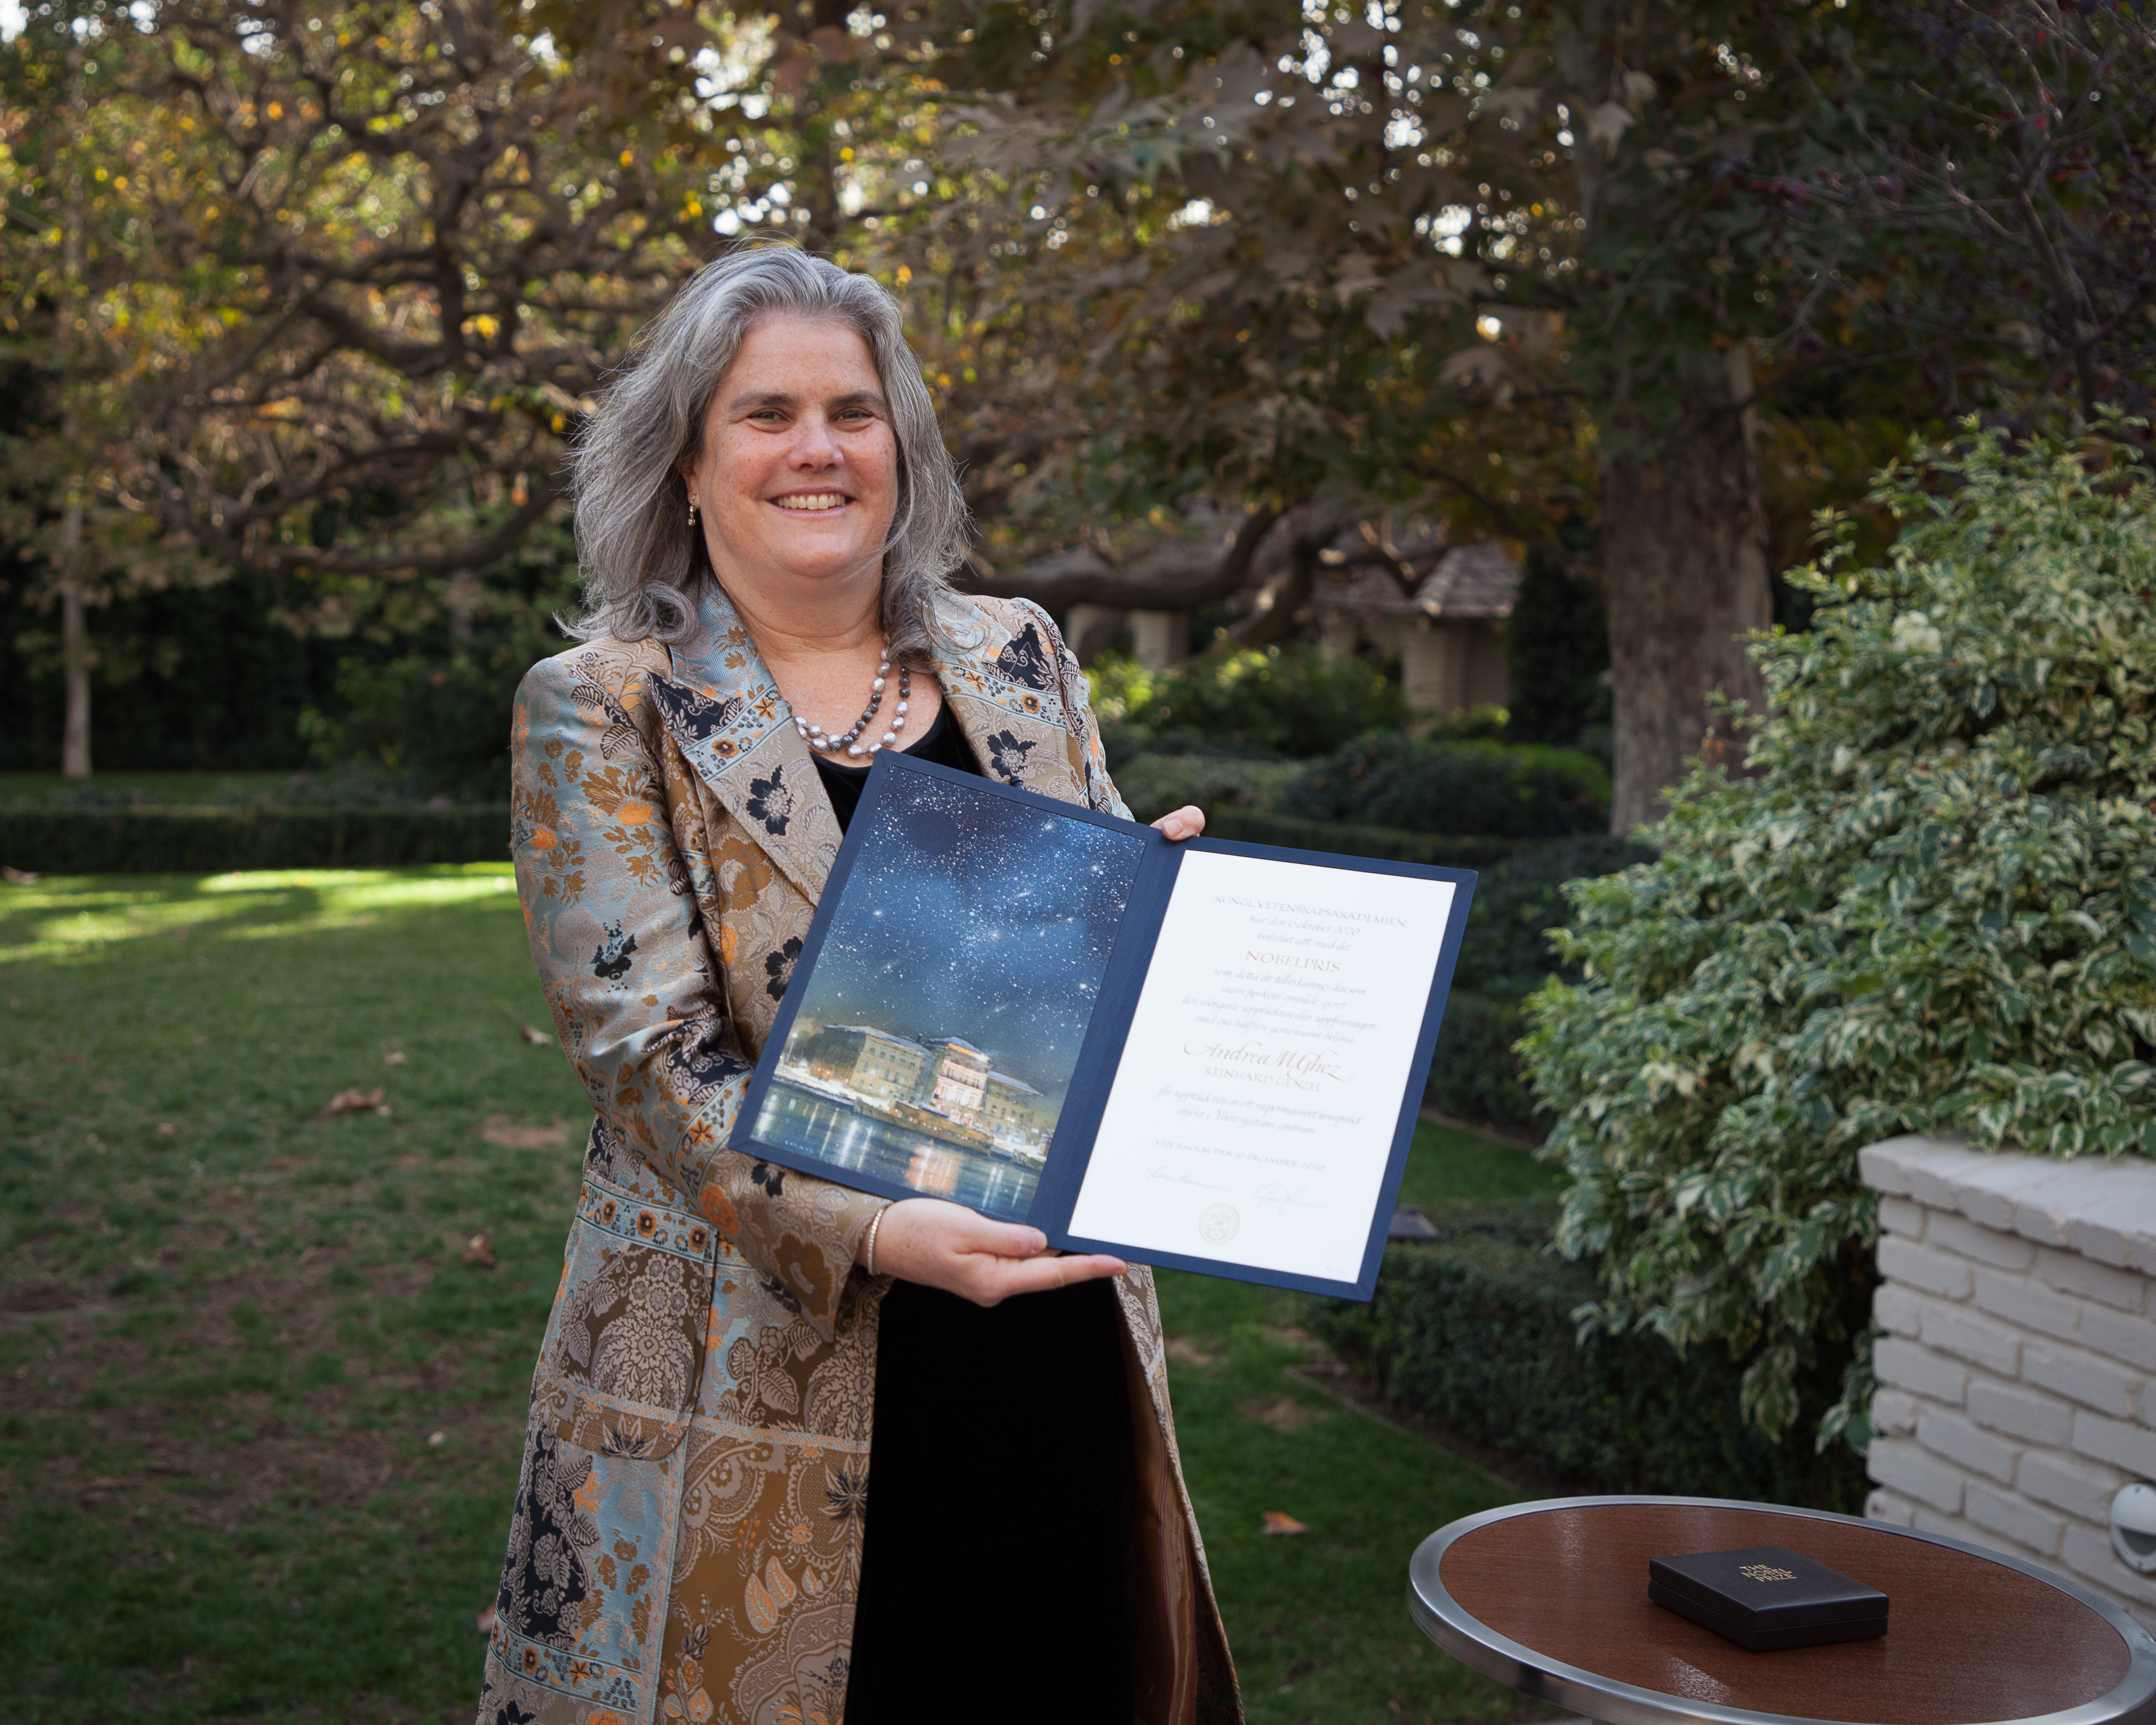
692, 515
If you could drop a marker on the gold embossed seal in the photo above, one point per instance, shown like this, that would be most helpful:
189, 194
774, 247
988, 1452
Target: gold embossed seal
1219, 1225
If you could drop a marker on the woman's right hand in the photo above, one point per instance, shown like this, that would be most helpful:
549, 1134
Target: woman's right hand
946, 1245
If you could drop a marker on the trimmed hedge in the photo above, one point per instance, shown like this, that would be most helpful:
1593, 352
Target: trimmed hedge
1472, 1073
1153, 783
1474, 1331
1505, 958
196, 841
1385, 844
1428, 785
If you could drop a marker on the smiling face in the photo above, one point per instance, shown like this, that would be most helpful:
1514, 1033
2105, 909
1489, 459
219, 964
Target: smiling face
796, 480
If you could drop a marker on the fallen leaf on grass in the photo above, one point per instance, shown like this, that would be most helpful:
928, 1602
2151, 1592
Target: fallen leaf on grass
1186, 1352
484, 1620
1275, 1522
1282, 1412
166, 1129
355, 1101
20, 877
538, 1038
500, 1129
479, 1249
392, 1056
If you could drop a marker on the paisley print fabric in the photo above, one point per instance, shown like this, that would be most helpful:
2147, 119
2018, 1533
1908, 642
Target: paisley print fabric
1007, 756
633, 1331
1026, 661
687, 712
543, 1581
778, 967
771, 801
687, 1537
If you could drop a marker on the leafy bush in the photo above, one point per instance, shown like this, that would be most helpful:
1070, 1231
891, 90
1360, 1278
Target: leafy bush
440, 718
1476, 1331
1504, 958
1263, 703
441, 723
1932, 910
1506, 952
1386, 844
1153, 784
1507, 791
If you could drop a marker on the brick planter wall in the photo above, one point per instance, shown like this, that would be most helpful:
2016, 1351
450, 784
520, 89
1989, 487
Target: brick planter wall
2017, 1381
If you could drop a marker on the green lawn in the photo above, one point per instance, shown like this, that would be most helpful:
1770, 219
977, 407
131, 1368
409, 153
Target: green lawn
261, 1421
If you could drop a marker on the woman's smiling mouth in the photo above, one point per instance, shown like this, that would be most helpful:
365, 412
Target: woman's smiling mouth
812, 500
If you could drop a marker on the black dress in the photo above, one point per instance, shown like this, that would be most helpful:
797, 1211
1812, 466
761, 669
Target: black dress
996, 1565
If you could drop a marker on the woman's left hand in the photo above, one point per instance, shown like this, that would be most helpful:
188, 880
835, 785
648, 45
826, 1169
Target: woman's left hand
1186, 823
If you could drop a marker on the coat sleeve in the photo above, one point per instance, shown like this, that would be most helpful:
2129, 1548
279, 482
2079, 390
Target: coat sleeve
636, 993
1089, 759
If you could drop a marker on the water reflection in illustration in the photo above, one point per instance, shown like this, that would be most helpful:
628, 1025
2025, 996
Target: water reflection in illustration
829, 1130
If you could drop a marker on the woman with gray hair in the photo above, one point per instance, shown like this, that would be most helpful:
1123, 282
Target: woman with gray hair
796, 1453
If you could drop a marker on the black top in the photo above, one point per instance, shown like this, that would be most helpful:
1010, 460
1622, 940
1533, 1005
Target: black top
997, 1528
944, 743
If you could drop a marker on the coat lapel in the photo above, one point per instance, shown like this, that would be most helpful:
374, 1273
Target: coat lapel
723, 712
1005, 691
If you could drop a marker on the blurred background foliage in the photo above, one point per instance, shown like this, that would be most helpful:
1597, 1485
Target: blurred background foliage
308, 298
301, 303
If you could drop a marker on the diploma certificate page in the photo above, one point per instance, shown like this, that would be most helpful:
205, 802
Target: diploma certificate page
1253, 1112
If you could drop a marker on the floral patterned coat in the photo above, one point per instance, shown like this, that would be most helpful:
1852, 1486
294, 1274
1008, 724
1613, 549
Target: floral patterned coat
687, 1539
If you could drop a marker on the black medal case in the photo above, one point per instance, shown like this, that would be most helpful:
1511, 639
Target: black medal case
1767, 1597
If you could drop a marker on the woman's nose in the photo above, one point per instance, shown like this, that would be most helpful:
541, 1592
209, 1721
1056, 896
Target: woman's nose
814, 445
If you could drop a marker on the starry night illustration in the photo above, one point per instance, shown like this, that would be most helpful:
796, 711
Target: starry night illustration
938, 1032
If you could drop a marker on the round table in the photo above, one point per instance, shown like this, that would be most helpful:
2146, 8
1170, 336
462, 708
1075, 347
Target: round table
1552, 1598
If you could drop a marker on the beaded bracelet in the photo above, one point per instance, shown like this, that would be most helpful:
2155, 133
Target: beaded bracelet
868, 1254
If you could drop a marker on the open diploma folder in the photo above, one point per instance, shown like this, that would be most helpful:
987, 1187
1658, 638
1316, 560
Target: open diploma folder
1204, 1054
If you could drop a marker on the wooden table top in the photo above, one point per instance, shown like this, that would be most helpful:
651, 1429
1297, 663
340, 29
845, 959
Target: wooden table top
1971, 1638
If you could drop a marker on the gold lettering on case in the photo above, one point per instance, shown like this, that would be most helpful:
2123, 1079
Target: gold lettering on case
1767, 1572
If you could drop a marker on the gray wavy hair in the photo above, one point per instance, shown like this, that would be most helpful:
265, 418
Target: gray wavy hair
642, 564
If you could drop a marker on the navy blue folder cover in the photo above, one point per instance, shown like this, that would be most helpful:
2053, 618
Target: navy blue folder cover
1091, 846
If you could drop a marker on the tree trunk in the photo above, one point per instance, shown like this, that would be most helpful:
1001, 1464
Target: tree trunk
74, 624
74, 650
1684, 576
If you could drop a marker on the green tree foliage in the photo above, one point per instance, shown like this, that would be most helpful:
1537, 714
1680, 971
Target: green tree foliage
320, 292
348, 271
1930, 909
1533, 267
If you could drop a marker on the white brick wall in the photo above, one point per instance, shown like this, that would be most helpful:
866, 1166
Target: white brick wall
2017, 1386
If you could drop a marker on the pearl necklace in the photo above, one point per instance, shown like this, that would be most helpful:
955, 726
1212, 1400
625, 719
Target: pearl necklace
850, 744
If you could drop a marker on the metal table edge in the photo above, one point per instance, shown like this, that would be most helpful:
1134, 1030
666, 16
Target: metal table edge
1448, 1623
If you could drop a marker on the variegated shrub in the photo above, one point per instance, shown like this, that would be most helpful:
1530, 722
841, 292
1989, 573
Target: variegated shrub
1933, 908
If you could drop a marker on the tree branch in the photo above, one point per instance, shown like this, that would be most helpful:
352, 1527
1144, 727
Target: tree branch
1176, 578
